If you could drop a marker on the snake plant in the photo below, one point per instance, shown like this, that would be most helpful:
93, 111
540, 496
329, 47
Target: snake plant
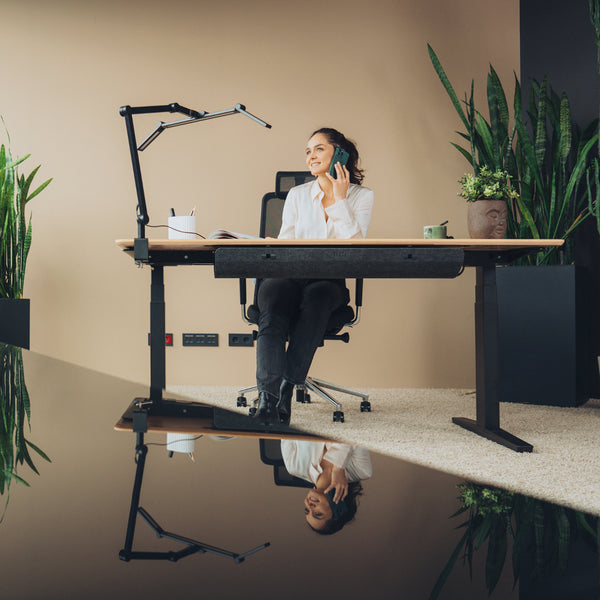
538, 529
15, 229
15, 414
542, 151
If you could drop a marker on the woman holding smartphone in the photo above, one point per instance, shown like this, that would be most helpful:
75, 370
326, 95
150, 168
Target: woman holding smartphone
296, 311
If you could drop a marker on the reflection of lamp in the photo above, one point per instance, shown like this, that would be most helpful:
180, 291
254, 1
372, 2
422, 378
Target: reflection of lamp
193, 116
181, 442
190, 546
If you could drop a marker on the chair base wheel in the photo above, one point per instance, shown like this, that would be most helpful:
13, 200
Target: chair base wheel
302, 396
365, 406
241, 401
252, 411
338, 416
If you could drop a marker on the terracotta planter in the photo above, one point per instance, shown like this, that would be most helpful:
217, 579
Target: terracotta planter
486, 219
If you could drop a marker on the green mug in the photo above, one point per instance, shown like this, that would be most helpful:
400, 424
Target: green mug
435, 232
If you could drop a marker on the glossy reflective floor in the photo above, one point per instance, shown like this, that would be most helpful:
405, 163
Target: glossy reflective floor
61, 537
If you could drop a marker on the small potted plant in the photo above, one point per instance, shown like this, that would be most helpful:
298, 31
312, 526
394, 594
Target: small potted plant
489, 194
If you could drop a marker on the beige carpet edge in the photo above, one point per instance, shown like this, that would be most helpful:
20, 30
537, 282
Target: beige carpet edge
416, 425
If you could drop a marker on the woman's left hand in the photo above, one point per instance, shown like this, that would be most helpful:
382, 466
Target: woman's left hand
342, 183
339, 482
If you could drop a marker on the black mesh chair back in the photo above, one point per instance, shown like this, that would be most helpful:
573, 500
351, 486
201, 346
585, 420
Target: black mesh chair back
286, 180
272, 203
270, 454
271, 215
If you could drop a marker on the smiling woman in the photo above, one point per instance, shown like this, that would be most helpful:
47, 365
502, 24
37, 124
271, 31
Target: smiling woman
298, 310
336, 471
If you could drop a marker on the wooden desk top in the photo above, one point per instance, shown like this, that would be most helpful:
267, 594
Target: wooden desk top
197, 426
481, 245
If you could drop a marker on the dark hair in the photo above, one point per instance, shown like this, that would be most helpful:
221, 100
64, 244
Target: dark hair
355, 490
339, 139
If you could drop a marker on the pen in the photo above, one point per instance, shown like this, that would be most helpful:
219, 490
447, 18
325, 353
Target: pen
193, 212
172, 211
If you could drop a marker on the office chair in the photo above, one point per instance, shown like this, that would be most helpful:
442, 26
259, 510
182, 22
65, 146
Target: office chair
270, 454
270, 224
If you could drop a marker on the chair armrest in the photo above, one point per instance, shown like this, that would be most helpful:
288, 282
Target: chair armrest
243, 300
358, 296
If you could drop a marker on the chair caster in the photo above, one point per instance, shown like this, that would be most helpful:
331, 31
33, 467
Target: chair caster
241, 401
252, 411
365, 406
302, 396
338, 416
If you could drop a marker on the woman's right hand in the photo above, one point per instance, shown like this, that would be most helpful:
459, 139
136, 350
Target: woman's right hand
339, 482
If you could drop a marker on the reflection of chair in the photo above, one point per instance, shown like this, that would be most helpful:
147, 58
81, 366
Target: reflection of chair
270, 454
346, 316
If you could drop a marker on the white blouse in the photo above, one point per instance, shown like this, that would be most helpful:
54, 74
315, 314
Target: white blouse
303, 459
304, 215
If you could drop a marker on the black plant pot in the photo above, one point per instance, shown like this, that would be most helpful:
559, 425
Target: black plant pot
544, 344
14, 321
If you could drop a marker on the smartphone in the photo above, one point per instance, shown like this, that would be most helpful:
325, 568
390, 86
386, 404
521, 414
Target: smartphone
340, 156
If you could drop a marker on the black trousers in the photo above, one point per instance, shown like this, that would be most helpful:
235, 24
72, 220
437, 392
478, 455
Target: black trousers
296, 312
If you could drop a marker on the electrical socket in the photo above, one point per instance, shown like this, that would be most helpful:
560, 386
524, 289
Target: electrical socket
168, 339
241, 339
200, 339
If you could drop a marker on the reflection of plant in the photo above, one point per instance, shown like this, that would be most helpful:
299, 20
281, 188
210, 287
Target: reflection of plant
487, 185
544, 529
14, 414
545, 158
15, 232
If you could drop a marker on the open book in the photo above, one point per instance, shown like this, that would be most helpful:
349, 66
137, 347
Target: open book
224, 234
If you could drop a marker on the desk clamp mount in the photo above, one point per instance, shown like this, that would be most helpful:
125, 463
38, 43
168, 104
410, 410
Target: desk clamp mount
192, 116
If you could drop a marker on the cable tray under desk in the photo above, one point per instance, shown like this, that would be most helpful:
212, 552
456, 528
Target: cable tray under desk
338, 262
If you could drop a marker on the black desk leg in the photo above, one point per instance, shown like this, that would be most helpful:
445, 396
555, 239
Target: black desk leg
487, 423
157, 333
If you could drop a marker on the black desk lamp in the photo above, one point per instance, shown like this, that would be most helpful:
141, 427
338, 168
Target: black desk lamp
140, 247
193, 116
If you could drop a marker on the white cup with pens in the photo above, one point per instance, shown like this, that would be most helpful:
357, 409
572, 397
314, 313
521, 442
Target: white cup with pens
183, 227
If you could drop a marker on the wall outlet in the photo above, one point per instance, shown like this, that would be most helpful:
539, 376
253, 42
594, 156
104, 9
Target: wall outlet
200, 339
241, 339
168, 339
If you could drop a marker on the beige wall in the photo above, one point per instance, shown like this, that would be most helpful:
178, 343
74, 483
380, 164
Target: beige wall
359, 66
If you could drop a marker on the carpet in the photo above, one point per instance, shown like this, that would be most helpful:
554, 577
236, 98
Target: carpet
416, 425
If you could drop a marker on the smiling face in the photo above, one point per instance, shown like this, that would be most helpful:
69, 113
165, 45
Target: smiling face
487, 219
317, 509
319, 152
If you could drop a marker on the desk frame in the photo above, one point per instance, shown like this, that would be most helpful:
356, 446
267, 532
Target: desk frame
483, 255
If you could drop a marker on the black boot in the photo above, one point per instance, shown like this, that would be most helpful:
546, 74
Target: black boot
267, 410
284, 406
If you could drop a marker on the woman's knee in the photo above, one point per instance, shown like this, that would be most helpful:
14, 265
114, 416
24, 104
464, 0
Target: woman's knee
325, 294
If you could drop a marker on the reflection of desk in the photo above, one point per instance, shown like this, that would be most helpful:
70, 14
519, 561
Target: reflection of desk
351, 258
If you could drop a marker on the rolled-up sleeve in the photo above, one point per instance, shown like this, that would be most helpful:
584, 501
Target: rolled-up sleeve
352, 215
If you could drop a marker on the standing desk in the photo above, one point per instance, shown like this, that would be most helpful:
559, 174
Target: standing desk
364, 258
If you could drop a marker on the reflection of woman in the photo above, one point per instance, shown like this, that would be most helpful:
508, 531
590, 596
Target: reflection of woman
298, 310
336, 470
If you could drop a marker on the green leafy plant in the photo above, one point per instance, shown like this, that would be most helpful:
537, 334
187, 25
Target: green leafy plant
496, 516
487, 185
15, 415
545, 157
593, 172
15, 229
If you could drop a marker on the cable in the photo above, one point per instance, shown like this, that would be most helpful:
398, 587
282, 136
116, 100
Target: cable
178, 230
170, 443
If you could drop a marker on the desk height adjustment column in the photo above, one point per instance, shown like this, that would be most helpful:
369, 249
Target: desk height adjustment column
157, 334
487, 423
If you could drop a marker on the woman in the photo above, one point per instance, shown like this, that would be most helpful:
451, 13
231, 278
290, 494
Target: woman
336, 471
297, 310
